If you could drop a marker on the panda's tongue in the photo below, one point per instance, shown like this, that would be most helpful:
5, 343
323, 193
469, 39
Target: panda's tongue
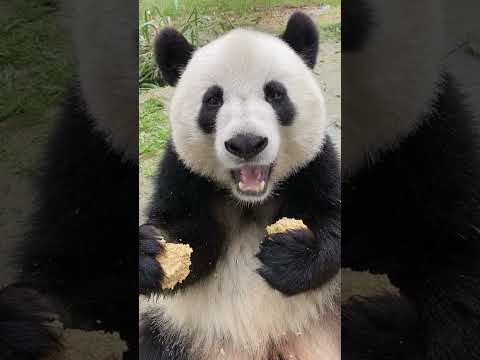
252, 178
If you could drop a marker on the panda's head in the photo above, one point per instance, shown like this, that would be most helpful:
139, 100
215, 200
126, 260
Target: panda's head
247, 111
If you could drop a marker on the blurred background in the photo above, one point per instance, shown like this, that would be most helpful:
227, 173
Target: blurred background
36, 67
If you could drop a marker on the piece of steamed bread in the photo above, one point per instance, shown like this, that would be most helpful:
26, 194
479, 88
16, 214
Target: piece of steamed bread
175, 262
285, 224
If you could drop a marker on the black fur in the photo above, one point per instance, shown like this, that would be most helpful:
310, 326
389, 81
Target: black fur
379, 328
182, 208
289, 261
301, 35
357, 22
79, 249
415, 215
172, 53
150, 273
303, 260
277, 96
160, 341
25, 324
212, 101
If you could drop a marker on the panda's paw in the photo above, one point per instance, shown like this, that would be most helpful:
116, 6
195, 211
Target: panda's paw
150, 274
28, 324
286, 260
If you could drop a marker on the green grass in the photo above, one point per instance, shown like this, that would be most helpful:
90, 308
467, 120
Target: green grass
177, 8
202, 20
153, 127
194, 25
154, 133
330, 31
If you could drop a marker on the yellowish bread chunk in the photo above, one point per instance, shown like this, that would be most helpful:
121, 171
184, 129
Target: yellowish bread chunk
175, 262
285, 224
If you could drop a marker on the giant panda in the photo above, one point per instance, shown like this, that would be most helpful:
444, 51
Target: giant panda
410, 185
248, 147
77, 260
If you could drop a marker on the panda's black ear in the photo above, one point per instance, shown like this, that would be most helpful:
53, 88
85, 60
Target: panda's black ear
302, 36
172, 53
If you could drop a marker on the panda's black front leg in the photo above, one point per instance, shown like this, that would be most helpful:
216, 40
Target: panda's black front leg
301, 260
182, 208
203, 235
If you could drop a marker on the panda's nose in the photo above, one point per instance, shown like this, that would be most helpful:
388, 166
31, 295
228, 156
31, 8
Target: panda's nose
246, 146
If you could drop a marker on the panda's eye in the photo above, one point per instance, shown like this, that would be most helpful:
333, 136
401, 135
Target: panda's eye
213, 97
274, 92
214, 101
277, 96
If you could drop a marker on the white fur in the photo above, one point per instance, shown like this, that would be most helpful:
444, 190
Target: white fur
242, 62
393, 80
105, 47
236, 311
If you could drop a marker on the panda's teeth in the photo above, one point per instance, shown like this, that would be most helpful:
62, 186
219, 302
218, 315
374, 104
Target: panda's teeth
261, 186
241, 186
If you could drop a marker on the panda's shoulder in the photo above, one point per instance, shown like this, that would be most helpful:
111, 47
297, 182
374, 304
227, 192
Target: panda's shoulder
179, 190
323, 169
319, 181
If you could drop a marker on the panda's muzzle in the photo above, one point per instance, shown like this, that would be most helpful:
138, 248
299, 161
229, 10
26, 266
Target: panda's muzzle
249, 178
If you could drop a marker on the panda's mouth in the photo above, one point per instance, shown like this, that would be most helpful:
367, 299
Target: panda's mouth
252, 179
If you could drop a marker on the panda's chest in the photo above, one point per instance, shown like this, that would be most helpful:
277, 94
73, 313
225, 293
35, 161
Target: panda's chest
235, 314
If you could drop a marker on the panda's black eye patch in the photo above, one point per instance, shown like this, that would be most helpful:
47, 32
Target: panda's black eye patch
277, 96
274, 92
212, 101
213, 97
